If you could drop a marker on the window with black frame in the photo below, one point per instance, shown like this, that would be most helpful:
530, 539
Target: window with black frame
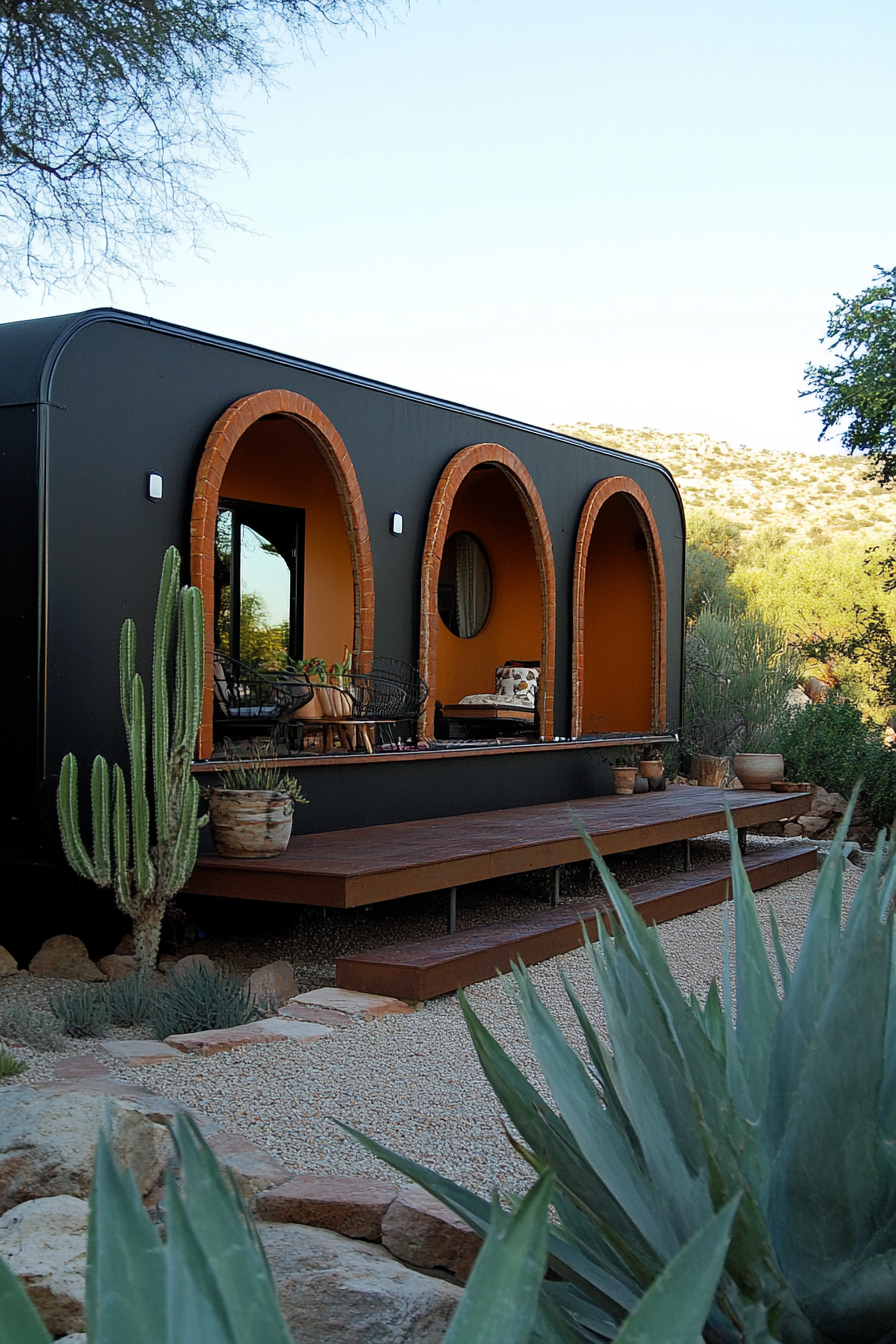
259, 582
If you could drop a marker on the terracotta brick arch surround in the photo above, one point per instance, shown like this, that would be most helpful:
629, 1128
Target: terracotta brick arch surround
599, 496
455, 473
226, 434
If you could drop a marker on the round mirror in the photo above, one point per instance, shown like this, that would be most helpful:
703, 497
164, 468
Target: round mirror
465, 585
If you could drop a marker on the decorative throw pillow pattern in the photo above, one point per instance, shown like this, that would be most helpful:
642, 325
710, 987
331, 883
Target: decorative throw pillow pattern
519, 684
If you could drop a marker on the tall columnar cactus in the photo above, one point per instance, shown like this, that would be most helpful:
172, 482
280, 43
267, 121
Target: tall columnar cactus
145, 875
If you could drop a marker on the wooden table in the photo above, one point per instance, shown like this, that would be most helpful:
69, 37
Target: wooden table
348, 731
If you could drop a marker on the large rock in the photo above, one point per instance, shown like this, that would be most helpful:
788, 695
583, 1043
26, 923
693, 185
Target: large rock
44, 1243
811, 825
272, 985
8, 963
47, 1142
64, 958
115, 967
352, 1205
352, 1292
195, 961
421, 1230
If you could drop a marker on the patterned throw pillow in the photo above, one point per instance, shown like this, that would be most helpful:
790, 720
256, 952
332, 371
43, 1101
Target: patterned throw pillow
517, 684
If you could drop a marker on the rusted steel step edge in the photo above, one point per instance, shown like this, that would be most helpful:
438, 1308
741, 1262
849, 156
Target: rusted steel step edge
425, 970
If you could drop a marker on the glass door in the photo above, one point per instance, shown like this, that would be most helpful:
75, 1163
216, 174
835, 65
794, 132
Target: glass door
259, 582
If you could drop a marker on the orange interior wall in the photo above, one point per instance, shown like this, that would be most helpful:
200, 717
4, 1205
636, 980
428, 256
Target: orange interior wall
277, 462
618, 636
488, 506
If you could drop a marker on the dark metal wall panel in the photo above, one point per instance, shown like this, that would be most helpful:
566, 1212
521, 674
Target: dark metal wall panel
20, 534
127, 397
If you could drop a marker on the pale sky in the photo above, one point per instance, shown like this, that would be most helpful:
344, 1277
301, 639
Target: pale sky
634, 213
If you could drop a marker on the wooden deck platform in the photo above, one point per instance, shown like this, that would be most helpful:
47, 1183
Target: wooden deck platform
349, 868
435, 966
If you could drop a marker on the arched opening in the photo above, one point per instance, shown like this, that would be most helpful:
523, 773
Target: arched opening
619, 615
280, 547
488, 587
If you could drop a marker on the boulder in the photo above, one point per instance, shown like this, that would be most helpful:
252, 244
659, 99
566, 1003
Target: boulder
64, 958
125, 946
8, 963
272, 985
421, 1230
44, 1243
793, 828
196, 960
116, 967
352, 1292
47, 1141
810, 825
351, 1205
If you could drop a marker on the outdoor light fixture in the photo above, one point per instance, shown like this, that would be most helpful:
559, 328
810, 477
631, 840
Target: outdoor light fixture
153, 485
396, 524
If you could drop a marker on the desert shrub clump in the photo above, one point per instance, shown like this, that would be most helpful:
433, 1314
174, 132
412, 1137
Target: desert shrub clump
202, 998
10, 1065
83, 1011
130, 1000
23, 1024
833, 744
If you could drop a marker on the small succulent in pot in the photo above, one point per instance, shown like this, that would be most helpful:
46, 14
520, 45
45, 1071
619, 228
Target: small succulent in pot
251, 816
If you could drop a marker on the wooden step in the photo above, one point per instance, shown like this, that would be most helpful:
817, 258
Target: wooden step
435, 966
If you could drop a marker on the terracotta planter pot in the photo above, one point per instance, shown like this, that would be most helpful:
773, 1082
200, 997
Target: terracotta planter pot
758, 769
314, 708
250, 823
651, 769
710, 771
624, 778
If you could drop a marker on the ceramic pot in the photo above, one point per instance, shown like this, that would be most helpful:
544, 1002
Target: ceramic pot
710, 771
314, 708
250, 823
624, 778
651, 769
758, 769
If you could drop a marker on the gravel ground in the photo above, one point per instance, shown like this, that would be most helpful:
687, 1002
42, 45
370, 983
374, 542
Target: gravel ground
413, 1081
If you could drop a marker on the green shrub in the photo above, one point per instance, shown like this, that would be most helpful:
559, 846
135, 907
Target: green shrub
130, 1000
202, 999
789, 1105
10, 1065
832, 744
739, 669
23, 1024
82, 1011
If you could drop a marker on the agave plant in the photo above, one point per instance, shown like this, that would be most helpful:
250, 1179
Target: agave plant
789, 1104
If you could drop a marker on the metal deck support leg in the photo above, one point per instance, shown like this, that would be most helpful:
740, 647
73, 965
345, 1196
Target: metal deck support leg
555, 895
742, 839
452, 910
688, 866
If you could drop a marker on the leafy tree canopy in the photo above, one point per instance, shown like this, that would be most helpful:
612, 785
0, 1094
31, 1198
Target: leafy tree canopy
110, 116
859, 390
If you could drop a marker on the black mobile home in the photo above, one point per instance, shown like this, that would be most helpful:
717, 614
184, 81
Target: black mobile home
367, 519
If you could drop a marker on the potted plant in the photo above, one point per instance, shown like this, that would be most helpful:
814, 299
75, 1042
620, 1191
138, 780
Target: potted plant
313, 670
251, 816
651, 763
625, 768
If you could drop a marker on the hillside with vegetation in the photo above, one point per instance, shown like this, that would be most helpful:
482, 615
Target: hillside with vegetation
815, 499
